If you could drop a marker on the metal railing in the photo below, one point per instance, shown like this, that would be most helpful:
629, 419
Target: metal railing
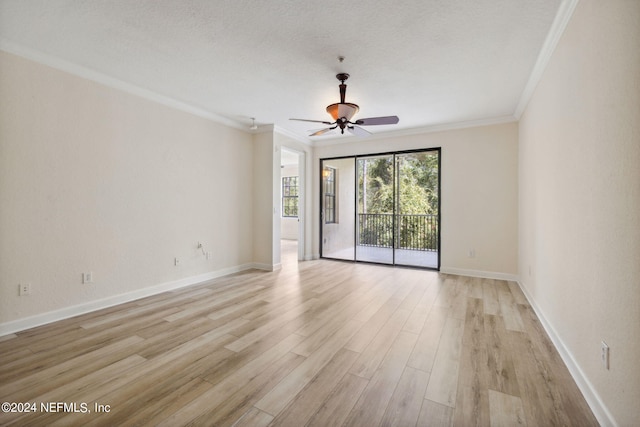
415, 232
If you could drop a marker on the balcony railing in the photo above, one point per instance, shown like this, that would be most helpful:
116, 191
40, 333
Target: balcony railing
415, 232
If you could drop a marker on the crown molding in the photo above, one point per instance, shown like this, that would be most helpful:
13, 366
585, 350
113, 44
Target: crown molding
565, 11
560, 22
302, 139
95, 76
264, 128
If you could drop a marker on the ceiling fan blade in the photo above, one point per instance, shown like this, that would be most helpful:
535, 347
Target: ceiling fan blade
358, 131
322, 131
386, 120
314, 121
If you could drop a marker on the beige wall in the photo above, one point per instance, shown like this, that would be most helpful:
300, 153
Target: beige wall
580, 202
479, 200
93, 179
266, 222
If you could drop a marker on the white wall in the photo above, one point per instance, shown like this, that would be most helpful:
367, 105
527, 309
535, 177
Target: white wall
580, 203
93, 179
479, 203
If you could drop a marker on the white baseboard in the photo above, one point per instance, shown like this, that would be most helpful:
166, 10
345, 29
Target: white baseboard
600, 411
266, 267
67, 312
479, 273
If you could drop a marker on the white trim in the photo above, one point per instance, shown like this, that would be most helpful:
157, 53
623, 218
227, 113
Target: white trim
67, 312
265, 128
95, 76
296, 137
301, 164
479, 273
266, 267
565, 11
602, 414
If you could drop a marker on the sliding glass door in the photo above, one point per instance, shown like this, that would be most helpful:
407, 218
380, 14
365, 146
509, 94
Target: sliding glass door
382, 208
375, 210
417, 209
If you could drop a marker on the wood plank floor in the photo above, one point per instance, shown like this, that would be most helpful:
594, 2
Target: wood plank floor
320, 343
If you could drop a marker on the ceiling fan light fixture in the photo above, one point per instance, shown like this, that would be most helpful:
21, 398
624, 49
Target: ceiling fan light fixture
339, 110
342, 112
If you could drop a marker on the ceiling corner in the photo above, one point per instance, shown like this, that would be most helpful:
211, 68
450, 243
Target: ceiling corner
565, 11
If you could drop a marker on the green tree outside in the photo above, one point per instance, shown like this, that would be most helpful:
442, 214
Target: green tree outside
415, 197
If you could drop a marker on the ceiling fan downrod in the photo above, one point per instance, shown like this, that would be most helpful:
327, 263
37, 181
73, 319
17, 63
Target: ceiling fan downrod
343, 87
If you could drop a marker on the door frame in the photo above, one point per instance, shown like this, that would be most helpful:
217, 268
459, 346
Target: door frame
302, 195
355, 157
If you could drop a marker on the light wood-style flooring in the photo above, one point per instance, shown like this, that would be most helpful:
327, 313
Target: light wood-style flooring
320, 343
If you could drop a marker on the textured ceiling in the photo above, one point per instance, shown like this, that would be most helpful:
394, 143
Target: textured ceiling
430, 62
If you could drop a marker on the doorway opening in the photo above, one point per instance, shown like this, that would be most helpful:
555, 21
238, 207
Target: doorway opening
382, 208
291, 205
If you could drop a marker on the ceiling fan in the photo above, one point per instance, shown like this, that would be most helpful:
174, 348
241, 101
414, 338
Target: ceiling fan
342, 113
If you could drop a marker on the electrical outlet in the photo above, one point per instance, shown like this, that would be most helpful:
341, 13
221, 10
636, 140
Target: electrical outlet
176, 261
87, 277
604, 354
472, 253
209, 255
24, 289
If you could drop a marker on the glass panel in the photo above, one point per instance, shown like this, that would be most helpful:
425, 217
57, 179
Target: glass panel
338, 196
290, 196
375, 217
417, 209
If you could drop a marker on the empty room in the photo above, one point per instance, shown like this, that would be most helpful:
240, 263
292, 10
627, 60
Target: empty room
281, 213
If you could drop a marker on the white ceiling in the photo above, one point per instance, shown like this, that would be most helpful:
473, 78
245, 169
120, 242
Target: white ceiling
430, 62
